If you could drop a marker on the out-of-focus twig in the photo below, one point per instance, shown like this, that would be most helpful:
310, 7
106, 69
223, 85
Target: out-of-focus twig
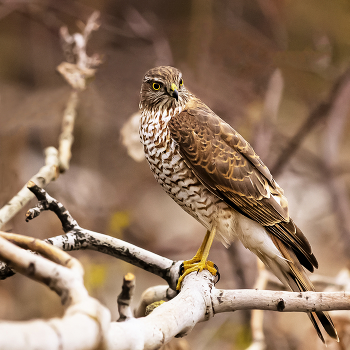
124, 298
316, 116
336, 184
257, 317
131, 138
77, 70
265, 128
56, 161
79, 66
275, 19
143, 29
46, 174
66, 138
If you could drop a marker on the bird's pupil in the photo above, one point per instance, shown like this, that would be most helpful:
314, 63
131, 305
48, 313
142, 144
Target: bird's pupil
181, 82
156, 86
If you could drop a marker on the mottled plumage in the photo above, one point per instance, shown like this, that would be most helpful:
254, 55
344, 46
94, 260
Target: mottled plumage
215, 175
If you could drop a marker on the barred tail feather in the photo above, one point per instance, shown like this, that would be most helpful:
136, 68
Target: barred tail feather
305, 285
298, 281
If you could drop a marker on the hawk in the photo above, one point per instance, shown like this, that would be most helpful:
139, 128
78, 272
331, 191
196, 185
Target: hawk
213, 173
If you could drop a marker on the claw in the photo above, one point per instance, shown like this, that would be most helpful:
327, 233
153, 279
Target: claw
217, 274
181, 269
189, 266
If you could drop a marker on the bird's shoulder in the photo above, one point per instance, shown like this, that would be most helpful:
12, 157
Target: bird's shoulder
198, 125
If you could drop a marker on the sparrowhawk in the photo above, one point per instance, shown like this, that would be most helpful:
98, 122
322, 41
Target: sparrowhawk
213, 173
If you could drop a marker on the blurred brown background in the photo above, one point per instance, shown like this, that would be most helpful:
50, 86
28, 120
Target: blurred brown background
262, 65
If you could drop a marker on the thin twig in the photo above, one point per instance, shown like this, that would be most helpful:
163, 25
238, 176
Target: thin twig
145, 30
124, 298
66, 138
315, 117
79, 67
337, 186
265, 128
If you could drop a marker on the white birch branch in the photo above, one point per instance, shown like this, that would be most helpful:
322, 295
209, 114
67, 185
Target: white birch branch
198, 300
66, 138
248, 299
124, 298
78, 238
85, 321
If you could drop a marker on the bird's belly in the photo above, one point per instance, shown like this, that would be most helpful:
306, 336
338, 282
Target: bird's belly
180, 183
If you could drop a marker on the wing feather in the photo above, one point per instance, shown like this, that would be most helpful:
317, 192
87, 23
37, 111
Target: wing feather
228, 166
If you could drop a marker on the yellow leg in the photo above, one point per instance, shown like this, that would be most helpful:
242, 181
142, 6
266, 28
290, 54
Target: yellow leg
199, 262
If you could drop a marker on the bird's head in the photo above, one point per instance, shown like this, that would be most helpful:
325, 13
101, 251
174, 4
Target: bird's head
163, 89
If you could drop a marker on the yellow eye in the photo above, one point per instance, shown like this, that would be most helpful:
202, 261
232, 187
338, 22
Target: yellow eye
181, 82
156, 86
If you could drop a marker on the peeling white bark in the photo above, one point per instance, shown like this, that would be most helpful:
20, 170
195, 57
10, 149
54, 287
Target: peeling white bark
247, 299
85, 321
86, 324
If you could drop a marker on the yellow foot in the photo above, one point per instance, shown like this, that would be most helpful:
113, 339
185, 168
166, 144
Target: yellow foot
192, 265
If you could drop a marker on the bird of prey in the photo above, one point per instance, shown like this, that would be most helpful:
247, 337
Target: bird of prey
213, 173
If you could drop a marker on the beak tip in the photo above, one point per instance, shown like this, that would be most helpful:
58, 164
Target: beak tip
174, 92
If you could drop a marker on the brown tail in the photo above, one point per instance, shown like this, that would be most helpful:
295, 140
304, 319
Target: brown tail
299, 282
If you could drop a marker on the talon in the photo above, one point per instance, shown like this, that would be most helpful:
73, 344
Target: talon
217, 274
181, 269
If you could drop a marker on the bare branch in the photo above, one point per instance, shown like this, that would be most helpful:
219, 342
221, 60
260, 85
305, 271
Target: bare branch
79, 66
198, 300
66, 138
124, 298
337, 186
201, 301
46, 202
85, 322
79, 238
247, 299
143, 29
84, 239
61, 279
265, 128
316, 116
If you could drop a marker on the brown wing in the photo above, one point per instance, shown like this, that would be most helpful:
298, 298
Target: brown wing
228, 166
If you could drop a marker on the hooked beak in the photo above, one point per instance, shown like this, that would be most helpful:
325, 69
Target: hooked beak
174, 92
